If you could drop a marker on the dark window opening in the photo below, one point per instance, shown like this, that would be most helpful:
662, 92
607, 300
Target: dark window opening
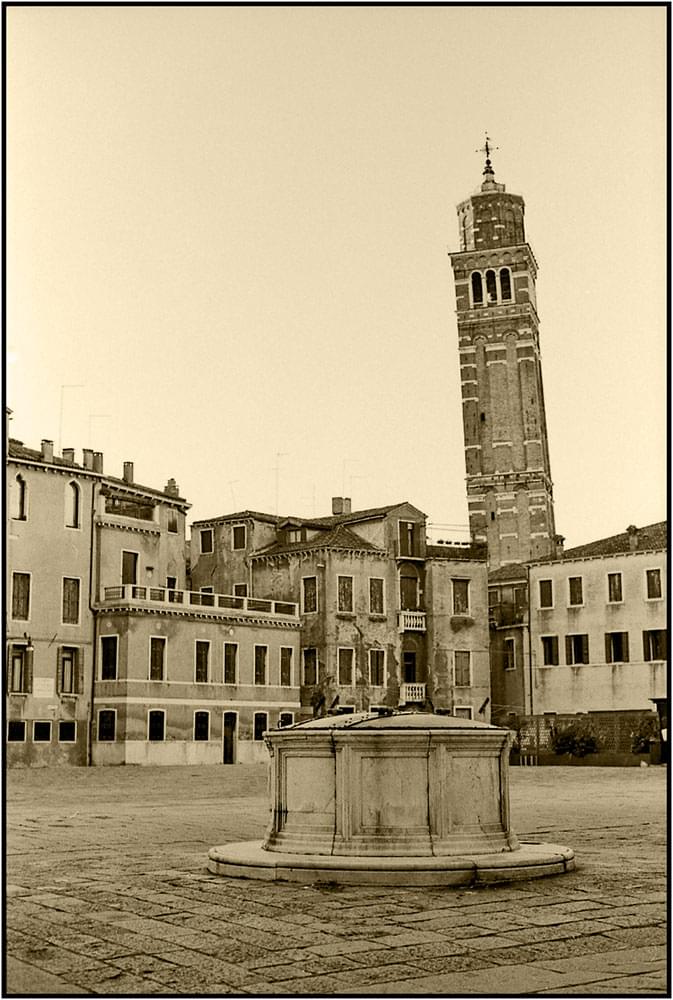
653, 584
285, 719
575, 590
42, 732
20, 506
108, 653
106, 725
550, 650
546, 594
230, 655
129, 567
238, 536
505, 284
16, 731
202, 655
616, 647
260, 726
172, 521
477, 289
19, 680
128, 507
201, 726
376, 665
577, 649
156, 730
508, 661
286, 666
309, 594
260, 664
72, 503
615, 587
345, 657
240, 590
207, 540
491, 289
655, 644
66, 732
310, 666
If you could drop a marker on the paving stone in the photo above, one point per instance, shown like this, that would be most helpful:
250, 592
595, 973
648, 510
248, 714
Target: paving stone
635, 936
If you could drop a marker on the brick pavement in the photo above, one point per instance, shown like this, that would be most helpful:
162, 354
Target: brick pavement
108, 894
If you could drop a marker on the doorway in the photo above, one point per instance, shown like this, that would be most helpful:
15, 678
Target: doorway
409, 666
229, 738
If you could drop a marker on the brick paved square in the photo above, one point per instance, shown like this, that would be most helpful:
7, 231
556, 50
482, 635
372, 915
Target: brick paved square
106, 913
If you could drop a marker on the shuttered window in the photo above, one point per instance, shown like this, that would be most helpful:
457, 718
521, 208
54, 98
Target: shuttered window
577, 649
345, 666
21, 596
157, 657
70, 600
461, 668
286, 666
345, 589
376, 667
616, 647
202, 654
550, 650
260, 664
310, 666
69, 670
230, 657
375, 596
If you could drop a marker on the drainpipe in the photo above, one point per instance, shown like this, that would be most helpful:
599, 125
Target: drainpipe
94, 658
530, 643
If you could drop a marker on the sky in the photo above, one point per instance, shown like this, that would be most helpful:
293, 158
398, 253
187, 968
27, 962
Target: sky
228, 232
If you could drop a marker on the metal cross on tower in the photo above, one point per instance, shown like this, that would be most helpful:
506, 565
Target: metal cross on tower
487, 149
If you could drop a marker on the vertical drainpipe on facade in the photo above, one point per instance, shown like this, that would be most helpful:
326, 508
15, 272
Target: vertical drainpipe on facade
94, 658
530, 642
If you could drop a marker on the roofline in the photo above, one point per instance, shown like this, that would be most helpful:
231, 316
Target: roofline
602, 555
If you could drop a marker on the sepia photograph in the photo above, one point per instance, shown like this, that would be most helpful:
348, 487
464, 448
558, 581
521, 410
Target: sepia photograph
336, 538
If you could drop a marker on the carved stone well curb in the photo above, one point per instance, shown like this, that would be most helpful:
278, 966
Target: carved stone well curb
406, 799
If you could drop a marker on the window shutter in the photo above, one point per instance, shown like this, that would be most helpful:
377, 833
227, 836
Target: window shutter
646, 647
59, 669
625, 646
585, 649
555, 650
664, 644
78, 667
28, 672
608, 648
569, 649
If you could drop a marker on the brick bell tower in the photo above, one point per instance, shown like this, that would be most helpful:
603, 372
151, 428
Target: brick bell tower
509, 487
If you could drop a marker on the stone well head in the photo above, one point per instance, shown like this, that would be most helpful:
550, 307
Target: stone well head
404, 785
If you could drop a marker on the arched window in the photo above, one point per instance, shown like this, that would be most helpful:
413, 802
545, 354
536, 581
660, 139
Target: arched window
72, 505
477, 290
20, 506
505, 284
491, 290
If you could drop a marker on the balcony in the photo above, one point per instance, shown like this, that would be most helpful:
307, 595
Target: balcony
131, 593
411, 621
506, 613
412, 693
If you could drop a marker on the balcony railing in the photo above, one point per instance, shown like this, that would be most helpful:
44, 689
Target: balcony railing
411, 621
506, 613
412, 693
194, 598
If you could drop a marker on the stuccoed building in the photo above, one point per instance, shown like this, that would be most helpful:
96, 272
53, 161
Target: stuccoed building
386, 619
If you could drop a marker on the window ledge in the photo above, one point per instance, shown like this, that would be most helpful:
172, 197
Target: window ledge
346, 614
377, 617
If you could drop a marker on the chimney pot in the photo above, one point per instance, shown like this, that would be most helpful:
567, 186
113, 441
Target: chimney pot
47, 450
87, 458
69, 455
128, 472
98, 461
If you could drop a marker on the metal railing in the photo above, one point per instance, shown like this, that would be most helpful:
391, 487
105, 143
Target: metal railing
195, 598
412, 693
411, 621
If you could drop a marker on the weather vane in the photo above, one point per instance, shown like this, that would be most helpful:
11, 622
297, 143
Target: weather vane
487, 149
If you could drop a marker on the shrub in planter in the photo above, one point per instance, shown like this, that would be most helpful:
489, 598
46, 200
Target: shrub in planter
648, 730
576, 738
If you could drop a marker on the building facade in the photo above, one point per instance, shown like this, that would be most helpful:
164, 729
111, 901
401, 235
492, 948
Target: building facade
509, 486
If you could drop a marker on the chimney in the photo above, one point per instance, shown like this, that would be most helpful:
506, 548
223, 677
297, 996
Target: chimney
337, 505
559, 541
347, 505
47, 450
632, 532
128, 472
98, 461
171, 488
87, 458
69, 455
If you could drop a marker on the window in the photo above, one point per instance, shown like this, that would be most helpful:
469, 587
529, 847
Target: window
462, 712
615, 588
16, 731
461, 668
68, 670
240, 590
508, 659
491, 290
207, 540
408, 536
42, 732
108, 657
20, 505
376, 605
461, 592
285, 719
156, 725
238, 536
477, 289
260, 726
72, 505
575, 590
129, 568
201, 726
172, 521
260, 664
207, 599
377, 659
546, 594
70, 614
107, 725
550, 650
616, 647
294, 536
20, 670
21, 596
505, 284
202, 655
655, 644
577, 649
286, 666
309, 594
230, 662
310, 666
653, 578
345, 658
67, 731
345, 593
157, 657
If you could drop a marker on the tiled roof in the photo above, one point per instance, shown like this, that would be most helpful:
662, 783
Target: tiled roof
456, 552
242, 515
340, 537
17, 449
652, 536
357, 515
511, 571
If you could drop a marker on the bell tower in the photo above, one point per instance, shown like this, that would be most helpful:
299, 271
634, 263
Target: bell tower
509, 487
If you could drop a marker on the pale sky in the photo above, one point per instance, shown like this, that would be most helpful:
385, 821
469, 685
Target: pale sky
230, 226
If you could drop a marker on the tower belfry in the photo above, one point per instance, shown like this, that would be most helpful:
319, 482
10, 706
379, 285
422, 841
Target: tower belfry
509, 487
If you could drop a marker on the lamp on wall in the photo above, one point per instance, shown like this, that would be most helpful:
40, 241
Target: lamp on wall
29, 643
